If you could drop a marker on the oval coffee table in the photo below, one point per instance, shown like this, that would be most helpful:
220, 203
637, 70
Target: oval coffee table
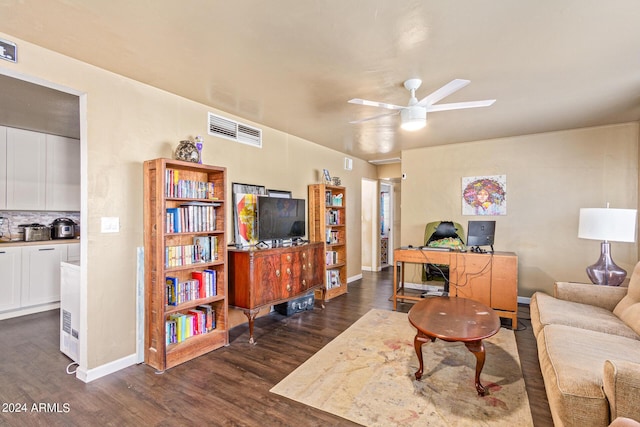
454, 319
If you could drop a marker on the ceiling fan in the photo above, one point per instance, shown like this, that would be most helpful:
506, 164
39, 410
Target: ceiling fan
414, 115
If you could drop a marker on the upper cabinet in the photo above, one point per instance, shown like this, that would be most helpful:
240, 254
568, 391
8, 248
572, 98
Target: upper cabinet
42, 172
63, 174
26, 168
3, 167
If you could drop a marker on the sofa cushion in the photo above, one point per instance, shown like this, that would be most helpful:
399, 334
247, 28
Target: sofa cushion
628, 309
547, 310
572, 362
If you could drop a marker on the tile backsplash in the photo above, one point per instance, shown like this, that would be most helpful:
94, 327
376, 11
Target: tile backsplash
15, 218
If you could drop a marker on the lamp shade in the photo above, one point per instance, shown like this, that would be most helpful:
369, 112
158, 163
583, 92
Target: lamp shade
615, 225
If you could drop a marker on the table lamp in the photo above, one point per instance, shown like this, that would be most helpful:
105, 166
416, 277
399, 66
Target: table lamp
615, 225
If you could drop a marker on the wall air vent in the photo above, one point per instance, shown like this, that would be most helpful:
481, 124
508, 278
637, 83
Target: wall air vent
230, 129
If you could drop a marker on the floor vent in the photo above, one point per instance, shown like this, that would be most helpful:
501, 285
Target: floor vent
230, 129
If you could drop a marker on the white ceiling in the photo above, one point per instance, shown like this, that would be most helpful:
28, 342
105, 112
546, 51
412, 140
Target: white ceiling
293, 64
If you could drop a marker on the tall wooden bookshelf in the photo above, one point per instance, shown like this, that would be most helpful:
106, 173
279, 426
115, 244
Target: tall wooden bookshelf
327, 224
184, 240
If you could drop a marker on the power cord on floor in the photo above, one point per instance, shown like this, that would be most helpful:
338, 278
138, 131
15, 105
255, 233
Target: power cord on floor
69, 367
523, 328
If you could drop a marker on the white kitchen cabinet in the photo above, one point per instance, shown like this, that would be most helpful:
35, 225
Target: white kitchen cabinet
63, 174
41, 172
3, 167
73, 252
10, 275
26, 169
41, 273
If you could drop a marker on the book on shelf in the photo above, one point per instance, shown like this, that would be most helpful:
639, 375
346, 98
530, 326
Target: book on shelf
203, 284
199, 322
192, 217
331, 236
202, 246
331, 257
333, 217
196, 321
200, 277
211, 282
204, 249
333, 279
186, 188
210, 316
172, 287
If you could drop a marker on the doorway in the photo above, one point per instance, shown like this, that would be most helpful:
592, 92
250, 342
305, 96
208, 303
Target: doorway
31, 104
386, 224
380, 222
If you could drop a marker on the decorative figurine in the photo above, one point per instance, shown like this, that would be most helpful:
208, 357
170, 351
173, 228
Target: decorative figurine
199, 144
188, 151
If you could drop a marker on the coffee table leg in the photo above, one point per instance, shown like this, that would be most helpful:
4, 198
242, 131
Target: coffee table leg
417, 344
477, 348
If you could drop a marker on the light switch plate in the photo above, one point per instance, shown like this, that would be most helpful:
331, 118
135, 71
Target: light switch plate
110, 224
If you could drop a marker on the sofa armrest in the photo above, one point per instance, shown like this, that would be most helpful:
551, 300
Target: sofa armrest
621, 385
586, 293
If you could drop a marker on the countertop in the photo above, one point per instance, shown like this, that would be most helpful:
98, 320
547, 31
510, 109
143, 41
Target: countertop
14, 243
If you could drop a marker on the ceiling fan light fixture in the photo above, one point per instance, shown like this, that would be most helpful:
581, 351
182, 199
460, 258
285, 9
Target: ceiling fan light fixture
413, 118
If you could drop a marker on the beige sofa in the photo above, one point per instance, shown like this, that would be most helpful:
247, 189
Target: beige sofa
589, 350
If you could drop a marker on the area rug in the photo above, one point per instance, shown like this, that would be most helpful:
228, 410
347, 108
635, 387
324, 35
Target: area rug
366, 375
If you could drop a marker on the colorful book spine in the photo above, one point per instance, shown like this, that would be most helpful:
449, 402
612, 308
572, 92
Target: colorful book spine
186, 188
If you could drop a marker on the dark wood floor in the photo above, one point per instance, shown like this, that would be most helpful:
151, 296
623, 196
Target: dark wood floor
227, 387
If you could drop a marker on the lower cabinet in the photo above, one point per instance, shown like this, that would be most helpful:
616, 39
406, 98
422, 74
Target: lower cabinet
10, 276
30, 275
41, 273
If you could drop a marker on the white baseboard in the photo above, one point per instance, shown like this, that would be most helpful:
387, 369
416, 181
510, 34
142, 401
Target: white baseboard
106, 369
524, 300
29, 310
354, 278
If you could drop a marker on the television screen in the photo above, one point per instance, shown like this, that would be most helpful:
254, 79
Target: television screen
280, 218
481, 233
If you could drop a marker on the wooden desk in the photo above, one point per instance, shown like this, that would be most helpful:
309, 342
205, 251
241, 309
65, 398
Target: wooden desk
263, 277
491, 279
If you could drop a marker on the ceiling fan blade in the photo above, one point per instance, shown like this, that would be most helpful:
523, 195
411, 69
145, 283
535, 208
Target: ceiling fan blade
460, 105
375, 104
444, 91
366, 119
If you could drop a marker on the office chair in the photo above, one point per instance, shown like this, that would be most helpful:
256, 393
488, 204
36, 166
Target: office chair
441, 233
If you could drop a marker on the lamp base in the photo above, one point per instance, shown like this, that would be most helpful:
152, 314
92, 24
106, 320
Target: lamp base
605, 271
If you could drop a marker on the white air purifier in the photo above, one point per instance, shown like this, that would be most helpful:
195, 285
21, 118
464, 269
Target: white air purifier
70, 310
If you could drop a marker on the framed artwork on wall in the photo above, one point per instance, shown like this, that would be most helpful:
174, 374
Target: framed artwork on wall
327, 176
484, 195
245, 198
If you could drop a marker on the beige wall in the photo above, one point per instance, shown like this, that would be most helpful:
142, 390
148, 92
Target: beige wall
370, 225
549, 178
390, 171
127, 122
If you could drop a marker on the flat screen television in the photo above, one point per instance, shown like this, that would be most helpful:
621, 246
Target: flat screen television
481, 233
279, 218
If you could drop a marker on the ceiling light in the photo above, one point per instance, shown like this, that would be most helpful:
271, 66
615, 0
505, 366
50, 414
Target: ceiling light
413, 118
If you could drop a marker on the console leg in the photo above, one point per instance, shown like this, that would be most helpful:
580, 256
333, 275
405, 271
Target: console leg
251, 316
